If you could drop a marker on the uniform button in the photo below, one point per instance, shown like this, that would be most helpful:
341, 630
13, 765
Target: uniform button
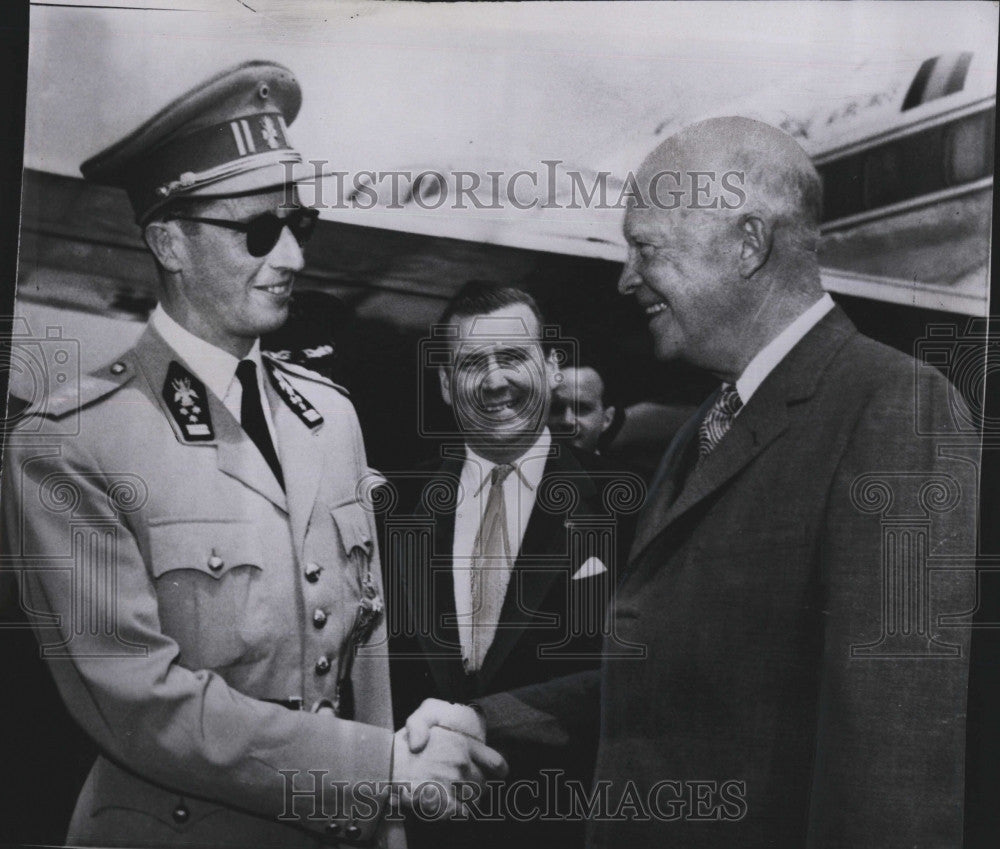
319, 617
312, 571
352, 832
322, 665
215, 563
181, 814
333, 827
118, 368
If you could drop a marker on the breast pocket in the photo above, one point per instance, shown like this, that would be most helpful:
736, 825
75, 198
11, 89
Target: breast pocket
209, 579
354, 531
363, 603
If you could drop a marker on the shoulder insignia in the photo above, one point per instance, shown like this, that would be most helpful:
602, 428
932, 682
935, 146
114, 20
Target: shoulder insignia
309, 415
276, 359
91, 387
187, 401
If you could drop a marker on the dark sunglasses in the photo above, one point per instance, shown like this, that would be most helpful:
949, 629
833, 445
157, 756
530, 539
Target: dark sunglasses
264, 230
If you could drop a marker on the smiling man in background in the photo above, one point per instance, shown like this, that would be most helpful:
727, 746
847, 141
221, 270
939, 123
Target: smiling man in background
511, 593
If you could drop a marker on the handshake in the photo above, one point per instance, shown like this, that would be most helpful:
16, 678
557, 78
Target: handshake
441, 747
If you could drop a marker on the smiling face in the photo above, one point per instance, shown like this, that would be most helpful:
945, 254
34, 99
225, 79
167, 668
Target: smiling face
219, 291
679, 269
500, 382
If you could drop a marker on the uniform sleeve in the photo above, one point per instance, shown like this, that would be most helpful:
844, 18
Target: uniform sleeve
896, 555
65, 529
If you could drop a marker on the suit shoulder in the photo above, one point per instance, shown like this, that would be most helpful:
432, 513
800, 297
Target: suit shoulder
894, 386
878, 360
890, 370
866, 370
92, 388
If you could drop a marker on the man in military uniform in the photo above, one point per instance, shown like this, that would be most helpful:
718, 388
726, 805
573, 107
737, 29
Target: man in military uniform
196, 554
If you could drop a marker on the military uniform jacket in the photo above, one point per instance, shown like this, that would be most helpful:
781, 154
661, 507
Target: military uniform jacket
175, 589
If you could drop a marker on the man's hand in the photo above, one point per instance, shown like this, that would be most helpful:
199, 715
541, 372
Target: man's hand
434, 712
445, 758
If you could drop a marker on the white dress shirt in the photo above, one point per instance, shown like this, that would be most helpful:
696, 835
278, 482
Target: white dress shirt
519, 490
777, 349
214, 367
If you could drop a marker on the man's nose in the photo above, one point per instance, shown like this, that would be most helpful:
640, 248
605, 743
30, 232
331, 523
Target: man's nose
286, 253
494, 377
629, 280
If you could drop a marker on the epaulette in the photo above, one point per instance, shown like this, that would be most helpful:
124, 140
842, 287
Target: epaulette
301, 371
92, 387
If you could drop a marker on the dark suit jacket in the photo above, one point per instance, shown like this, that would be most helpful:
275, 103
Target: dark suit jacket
799, 688
551, 623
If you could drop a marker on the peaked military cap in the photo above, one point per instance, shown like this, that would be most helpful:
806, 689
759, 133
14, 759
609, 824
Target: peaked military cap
227, 136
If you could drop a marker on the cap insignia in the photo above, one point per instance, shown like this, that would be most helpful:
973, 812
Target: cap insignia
269, 132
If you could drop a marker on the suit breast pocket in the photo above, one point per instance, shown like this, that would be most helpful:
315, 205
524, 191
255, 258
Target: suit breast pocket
209, 587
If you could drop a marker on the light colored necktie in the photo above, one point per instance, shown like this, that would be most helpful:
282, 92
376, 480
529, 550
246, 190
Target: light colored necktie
491, 562
718, 420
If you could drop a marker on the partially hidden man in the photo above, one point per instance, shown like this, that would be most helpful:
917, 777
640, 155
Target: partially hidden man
222, 567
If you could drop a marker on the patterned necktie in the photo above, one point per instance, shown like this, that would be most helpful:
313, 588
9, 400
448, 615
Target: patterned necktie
718, 420
491, 561
252, 417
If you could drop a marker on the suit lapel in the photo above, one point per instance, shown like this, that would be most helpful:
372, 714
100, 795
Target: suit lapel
670, 475
761, 422
236, 455
544, 552
432, 578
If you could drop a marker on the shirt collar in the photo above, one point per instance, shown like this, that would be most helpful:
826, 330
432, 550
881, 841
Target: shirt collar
778, 348
528, 467
211, 365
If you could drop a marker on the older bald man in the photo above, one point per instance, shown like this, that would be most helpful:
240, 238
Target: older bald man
798, 688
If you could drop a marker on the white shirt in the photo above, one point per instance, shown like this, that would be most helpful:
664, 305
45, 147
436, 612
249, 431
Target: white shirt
214, 367
777, 349
520, 488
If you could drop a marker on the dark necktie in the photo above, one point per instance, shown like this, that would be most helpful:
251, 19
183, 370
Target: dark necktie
718, 420
252, 417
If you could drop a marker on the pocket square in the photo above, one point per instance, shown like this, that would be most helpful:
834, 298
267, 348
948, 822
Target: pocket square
591, 566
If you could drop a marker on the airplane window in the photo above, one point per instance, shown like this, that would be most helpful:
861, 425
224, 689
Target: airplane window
842, 187
928, 161
883, 177
969, 145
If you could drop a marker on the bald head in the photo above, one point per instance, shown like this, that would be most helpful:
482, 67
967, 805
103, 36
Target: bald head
770, 175
722, 235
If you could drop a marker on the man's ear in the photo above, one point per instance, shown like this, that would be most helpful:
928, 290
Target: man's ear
444, 376
757, 238
163, 239
607, 418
